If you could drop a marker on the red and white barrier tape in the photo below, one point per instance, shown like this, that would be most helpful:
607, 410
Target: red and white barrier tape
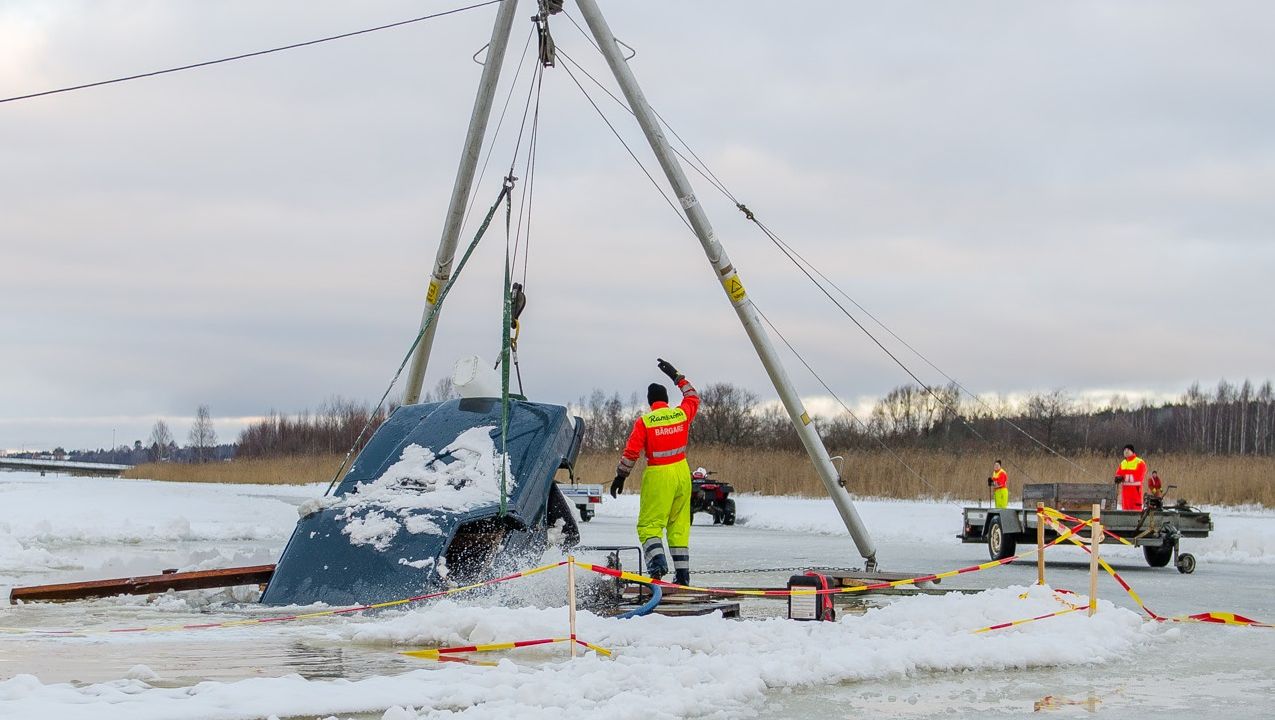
1221, 618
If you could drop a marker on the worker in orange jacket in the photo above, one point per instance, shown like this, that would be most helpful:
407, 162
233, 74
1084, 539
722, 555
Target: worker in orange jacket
665, 506
1155, 486
999, 483
1129, 477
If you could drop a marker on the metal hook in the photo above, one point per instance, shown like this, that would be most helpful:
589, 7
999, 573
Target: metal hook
621, 43
480, 50
841, 469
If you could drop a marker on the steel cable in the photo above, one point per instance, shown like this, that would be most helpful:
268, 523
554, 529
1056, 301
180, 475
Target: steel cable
709, 176
243, 56
867, 431
429, 321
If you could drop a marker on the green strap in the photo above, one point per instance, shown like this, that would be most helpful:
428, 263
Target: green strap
504, 362
429, 321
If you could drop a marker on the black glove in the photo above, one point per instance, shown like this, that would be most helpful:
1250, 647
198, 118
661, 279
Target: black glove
617, 485
1118, 480
668, 369
989, 482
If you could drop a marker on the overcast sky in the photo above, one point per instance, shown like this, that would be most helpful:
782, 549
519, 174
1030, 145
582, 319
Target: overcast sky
1037, 195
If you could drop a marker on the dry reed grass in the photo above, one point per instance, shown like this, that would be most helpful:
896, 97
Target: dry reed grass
1200, 479
297, 470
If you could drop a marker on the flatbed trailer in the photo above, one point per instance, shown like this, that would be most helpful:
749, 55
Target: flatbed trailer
1158, 529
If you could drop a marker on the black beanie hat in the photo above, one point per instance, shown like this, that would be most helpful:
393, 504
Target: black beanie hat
656, 392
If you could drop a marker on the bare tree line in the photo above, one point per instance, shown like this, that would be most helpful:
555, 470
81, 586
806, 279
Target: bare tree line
1228, 420
334, 427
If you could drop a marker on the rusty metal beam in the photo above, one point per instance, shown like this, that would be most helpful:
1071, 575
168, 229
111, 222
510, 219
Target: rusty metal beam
145, 585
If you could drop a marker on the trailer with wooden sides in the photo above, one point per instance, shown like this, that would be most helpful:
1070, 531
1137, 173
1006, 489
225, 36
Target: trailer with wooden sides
1158, 529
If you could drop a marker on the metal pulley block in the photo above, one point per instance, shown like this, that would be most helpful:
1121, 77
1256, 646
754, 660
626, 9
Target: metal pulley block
548, 50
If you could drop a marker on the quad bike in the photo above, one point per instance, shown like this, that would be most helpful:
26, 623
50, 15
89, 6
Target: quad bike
712, 497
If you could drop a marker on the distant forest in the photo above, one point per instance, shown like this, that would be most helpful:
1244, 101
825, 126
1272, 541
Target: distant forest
201, 446
139, 453
1229, 419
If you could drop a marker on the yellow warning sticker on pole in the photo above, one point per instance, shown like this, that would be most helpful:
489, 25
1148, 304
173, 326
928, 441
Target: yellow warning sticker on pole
431, 297
805, 418
734, 288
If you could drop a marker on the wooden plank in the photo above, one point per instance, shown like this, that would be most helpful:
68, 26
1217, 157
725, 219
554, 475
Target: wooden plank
145, 585
1040, 543
870, 578
727, 609
684, 603
1096, 537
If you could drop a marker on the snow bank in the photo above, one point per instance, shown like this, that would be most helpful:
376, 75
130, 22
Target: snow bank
463, 475
17, 557
663, 667
56, 523
69, 510
1240, 535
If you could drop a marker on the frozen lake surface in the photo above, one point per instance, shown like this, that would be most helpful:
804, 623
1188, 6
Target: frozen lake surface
904, 657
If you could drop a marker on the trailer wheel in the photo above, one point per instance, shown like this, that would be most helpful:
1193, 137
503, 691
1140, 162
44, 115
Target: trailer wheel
728, 517
1158, 556
1186, 563
586, 513
999, 545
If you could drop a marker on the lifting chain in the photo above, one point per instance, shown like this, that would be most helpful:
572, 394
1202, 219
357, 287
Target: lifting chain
795, 568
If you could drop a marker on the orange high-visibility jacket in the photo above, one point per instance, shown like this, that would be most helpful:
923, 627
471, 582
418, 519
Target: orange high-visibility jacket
662, 433
1000, 478
1155, 485
1132, 471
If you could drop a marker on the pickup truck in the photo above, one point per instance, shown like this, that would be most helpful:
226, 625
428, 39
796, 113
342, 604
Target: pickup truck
584, 497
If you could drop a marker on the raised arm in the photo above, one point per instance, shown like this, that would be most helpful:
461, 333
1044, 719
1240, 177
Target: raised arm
690, 397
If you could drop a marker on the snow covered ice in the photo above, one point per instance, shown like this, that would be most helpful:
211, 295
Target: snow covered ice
907, 657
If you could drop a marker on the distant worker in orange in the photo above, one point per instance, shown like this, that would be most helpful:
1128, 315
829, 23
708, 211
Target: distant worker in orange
1155, 486
665, 505
1129, 477
999, 482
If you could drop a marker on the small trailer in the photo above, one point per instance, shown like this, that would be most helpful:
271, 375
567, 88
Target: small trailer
1157, 530
584, 497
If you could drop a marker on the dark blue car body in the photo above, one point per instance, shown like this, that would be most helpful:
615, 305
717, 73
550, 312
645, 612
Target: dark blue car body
320, 564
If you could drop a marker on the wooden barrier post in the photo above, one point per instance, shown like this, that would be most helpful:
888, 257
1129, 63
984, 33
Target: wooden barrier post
1095, 539
571, 601
1040, 543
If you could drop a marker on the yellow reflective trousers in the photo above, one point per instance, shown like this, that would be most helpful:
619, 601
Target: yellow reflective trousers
666, 504
1001, 497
